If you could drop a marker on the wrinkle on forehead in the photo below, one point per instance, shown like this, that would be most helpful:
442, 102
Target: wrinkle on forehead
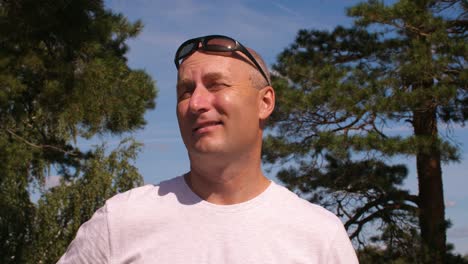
205, 68
234, 55
212, 73
208, 77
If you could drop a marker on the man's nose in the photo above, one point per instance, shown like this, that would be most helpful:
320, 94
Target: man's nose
200, 101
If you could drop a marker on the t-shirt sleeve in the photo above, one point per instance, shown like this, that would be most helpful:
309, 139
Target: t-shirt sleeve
91, 244
341, 250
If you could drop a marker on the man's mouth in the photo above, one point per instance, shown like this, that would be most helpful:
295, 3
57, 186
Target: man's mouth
206, 124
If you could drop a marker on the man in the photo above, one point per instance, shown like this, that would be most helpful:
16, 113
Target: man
224, 210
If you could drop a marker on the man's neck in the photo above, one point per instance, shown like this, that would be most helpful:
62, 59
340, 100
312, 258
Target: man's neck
232, 183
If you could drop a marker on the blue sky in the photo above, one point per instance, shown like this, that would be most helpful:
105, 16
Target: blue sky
268, 27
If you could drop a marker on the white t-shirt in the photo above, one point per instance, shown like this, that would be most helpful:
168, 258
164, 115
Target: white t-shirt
168, 223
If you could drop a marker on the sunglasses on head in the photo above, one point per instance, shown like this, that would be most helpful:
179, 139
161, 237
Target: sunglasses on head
214, 43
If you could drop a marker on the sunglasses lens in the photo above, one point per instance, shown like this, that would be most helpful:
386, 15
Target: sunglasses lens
187, 49
220, 44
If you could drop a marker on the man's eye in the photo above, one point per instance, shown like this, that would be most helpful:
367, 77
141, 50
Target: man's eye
217, 85
184, 96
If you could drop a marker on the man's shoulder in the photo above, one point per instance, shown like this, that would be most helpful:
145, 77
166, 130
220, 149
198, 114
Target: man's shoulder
142, 195
320, 231
307, 211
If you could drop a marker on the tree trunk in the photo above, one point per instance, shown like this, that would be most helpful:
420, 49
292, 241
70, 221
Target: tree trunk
431, 196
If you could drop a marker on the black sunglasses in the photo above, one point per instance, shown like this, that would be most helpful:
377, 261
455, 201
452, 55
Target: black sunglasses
214, 43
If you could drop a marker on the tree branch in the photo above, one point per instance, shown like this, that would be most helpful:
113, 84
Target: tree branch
42, 146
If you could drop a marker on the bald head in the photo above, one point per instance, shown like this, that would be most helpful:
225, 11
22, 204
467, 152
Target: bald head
257, 79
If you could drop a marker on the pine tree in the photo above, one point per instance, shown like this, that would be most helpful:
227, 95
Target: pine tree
63, 76
341, 93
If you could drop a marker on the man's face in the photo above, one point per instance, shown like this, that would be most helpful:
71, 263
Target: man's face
217, 107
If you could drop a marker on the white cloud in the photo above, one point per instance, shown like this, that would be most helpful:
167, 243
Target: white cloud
287, 10
174, 21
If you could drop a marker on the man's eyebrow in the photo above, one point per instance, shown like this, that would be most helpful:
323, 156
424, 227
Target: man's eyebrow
209, 77
184, 83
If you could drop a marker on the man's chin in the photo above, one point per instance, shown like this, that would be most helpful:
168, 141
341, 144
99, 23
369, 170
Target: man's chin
207, 148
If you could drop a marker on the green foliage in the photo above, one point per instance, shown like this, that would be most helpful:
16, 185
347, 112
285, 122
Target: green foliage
16, 210
63, 76
64, 208
342, 97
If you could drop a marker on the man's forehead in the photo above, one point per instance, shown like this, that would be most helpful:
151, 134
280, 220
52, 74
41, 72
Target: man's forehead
215, 59
208, 76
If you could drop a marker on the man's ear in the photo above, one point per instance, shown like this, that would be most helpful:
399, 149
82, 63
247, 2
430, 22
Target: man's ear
267, 102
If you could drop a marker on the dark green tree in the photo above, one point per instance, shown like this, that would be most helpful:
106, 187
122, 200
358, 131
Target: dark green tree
342, 94
63, 76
